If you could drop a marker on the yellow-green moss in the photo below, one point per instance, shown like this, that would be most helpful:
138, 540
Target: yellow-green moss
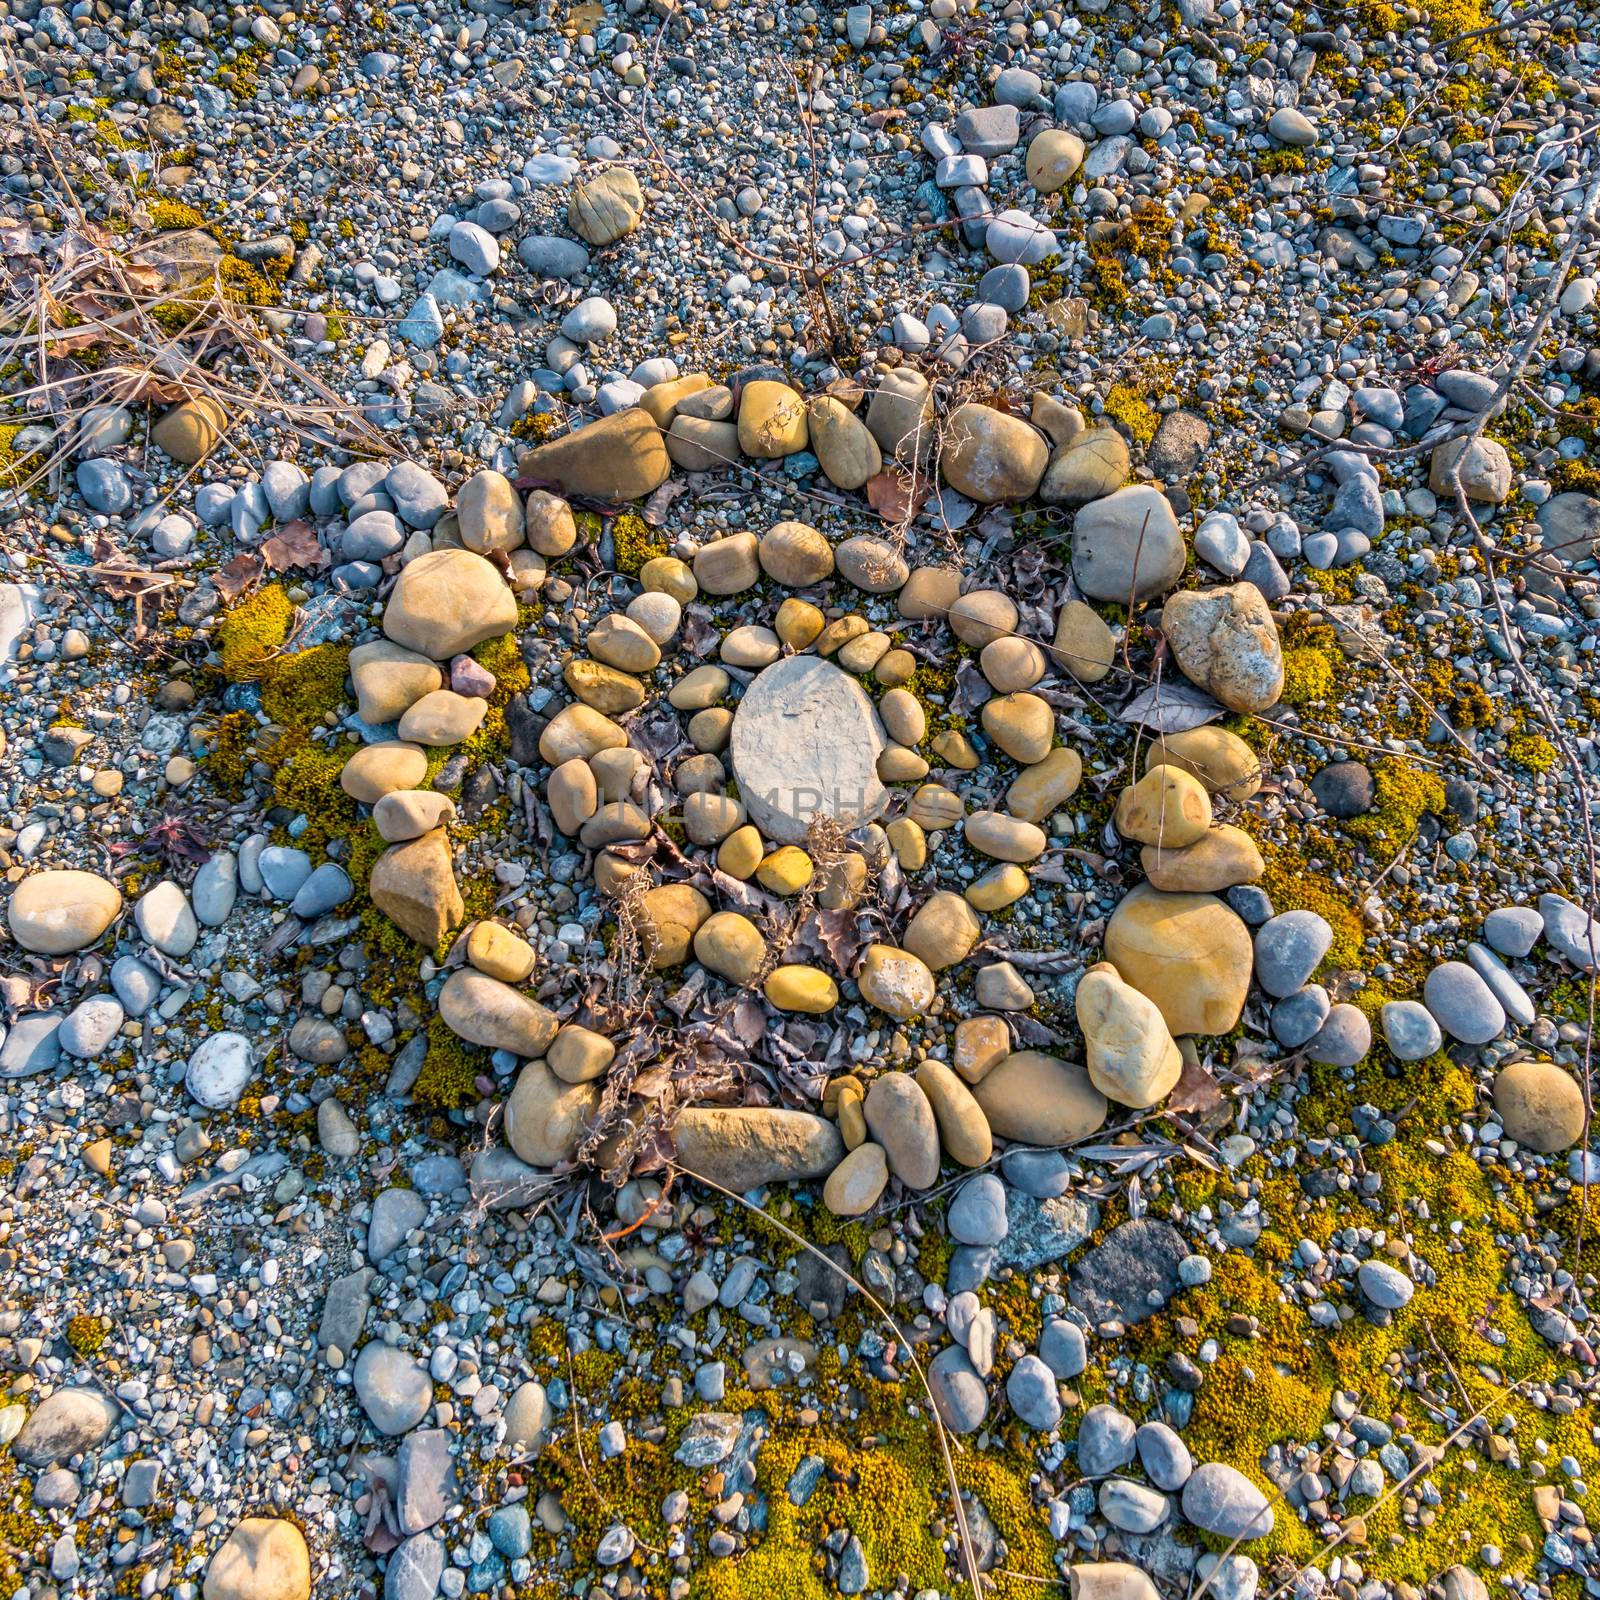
232, 753
1309, 675
300, 690
636, 541
1403, 794
253, 632
1533, 751
306, 781
87, 1334
448, 1080
168, 216
1127, 405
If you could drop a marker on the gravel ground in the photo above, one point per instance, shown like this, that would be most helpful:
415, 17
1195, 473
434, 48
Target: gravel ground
957, 853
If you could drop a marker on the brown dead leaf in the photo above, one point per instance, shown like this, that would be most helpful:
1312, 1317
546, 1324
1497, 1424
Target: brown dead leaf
895, 495
239, 574
294, 545
1197, 1092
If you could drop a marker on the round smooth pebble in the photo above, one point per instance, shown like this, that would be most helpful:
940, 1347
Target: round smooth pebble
1463, 1004
977, 1215
1409, 1030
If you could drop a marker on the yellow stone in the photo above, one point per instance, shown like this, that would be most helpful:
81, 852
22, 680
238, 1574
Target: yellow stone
801, 988
1167, 807
798, 623
495, 949
740, 853
955, 749
998, 888
910, 844
786, 871
669, 575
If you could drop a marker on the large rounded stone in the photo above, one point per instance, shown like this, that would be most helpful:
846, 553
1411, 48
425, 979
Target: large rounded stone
674, 913
547, 1119
1219, 1499
620, 457
806, 741
1088, 467
1130, 1054
901, 1120
943, 930
1127, 545
1539, 1105
393, 1388
489, 513
772, 420
747, 1147
482, 1010
991, 456
56, 912
1038, 1099
264, 1558
731, 946
389, 679
854, 1185
963, 1129
70, 1422
895, 981
414, 885
1222, 761
1226, 641
1187, 952
604, 208
842, 443
795, 554
447, 601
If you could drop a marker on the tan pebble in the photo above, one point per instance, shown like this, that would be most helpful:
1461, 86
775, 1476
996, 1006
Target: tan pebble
740, 853
801, 988
1011, 664
728, 566
708, 819
1084, 645
107, 783
674, 912
1046, 786
992, 833
998, 888
942, 930
895, 668
982, 1043
97, 1156
579, 1055
839, 632
615, 822
852, 1119
608, 691
896, 764
963, 1128
731, 946
981, 616
669, 575
910, 844
786, 871
798, 623
934, 807
855, 1185
699, 689
929, 592
839, 887
621, 643
864, 653
699, 775
709, 730
375, 769
1167, 807
572, 794
895, 981
1222, 761
751, 647
1220, 859
578, 731
955, 749
615, 771
903, 716
796, 555
552, 530
1041, 1100
1021, 724
496, 950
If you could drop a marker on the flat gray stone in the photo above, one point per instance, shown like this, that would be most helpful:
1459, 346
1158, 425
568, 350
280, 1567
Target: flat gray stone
425, 1480
806, 740
394, 1214
393, 1387
68, 1423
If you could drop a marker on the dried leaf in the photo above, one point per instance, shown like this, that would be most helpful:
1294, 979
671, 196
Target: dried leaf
837, 932
896, 496
748, 1022
232, 580
1171, 708
698, 634
972, 689
656, 507
295, 544
1196, 1092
